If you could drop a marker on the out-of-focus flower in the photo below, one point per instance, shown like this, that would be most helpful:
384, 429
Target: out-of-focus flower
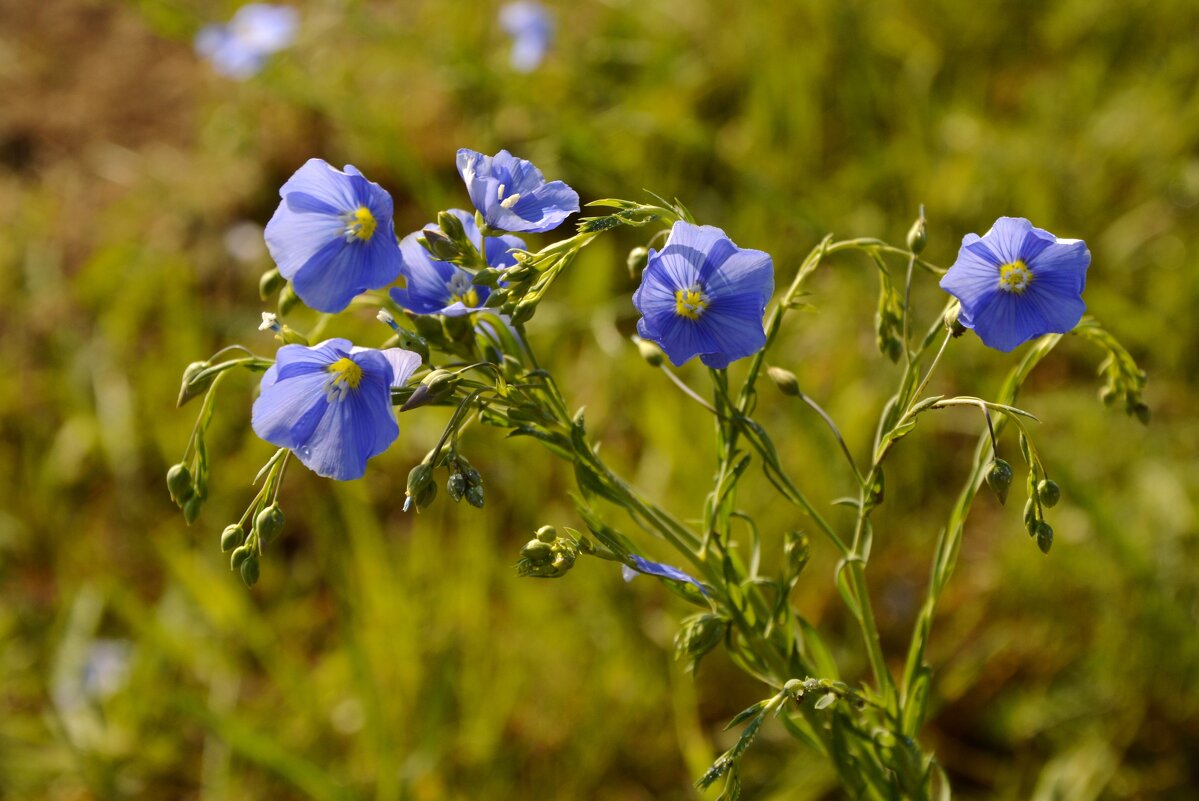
531, 28
331, 404
641, 565
512, 194
332, 235
704, 296
1017, 282
239, 49
243, 241
440, 287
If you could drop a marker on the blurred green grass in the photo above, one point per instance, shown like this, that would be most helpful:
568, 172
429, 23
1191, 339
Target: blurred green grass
392, 657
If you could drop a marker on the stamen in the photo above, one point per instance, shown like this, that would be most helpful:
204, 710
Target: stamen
462, 290
360, 224
691, 302
1015, 277
347, 375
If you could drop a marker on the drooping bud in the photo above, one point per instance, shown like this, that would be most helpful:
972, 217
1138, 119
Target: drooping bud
232, 537
956, 329
191, 509
474, 495
239, 556
1049, 492
785, 380
650, 351
455, 486
190, 387
288, 300
269, 523
1044, 536
1030, 516
179, 484
421, 488
1141, 412
249, 571
638, 258
700, 634
797, 550
999, 479
270, 283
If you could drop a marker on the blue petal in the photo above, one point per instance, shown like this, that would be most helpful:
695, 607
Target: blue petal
1069, 256
265, 28
288, 411
403, 363
1006, 238
498, 248
665, 571
974, 276
734, 323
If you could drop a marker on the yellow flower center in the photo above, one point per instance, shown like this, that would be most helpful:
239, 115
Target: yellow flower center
462, 290
690, 303
1015, 276
346, 373
360, 224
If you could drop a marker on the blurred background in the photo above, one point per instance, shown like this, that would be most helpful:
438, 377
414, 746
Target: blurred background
389, 656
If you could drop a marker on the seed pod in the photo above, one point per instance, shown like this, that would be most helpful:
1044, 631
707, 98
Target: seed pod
999, 479
456, 486
232, 537
1044, 536
547, 534
474, 495
179, 484
1049, 492
269, 523
249, 571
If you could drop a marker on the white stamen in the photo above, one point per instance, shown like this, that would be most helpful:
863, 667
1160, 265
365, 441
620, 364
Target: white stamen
510, 201
501, 193
270, 322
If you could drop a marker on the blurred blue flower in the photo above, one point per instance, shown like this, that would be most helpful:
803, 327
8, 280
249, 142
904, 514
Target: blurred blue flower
331, 404
332, 235
512, 195
240, 48
439, 287
1017, 282
640, 565
531, 28
702, 295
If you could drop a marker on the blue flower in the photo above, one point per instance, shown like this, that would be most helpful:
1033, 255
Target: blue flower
240, 48
439, 287
702, 295
331, 404
512, 195
332, 235
640, 565
531, 29
1017, 282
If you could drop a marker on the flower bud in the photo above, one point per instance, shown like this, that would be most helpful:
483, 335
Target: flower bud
269, 523
700, 634
785, 380
289, 336
956, 329
439, 246
191, 509
547, 534
1141, 412
421, 489
249, 571
650, 351
190, 387
1030, 516
232, 537
488, 276
797, 550
638, 258
918, 235
474, 495
537, 551
999, 479
288, 300
451, 226
524, 311
270, 283
239, 556
456, 486
1044, 536
179, 484
1049, 492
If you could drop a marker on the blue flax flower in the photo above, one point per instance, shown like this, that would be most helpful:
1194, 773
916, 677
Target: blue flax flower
332, 235
1017, 282
240, 48
531, 29
331, 404
440, 287
512, 194
641, 565
702, 295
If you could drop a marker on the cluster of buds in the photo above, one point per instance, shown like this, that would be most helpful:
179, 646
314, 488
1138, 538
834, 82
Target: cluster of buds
551, 554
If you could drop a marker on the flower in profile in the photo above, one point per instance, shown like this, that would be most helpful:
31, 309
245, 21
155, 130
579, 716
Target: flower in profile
512, 195
531, 29
240, 48
441, 287
332, 235
641, 565
331, 404
704, 296
1017, 282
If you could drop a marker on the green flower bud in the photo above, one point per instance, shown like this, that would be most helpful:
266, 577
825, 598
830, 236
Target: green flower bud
421, 489
288, 300
439, 245
797, 550
270, 283
547, 534
474, 495
700, 634
638, 258
918, 235
1108, 395
650, 351
249, 571
239, 556
190, 387
956, 329
537, 551
1141, 412
524, 311
232, 537
269, 523
1030, 516
518, 273
456, 486
488, 276
1044, 536
1049, 492
451, 226
179, 483
289, 336
191, 509
999, 479
785, 380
